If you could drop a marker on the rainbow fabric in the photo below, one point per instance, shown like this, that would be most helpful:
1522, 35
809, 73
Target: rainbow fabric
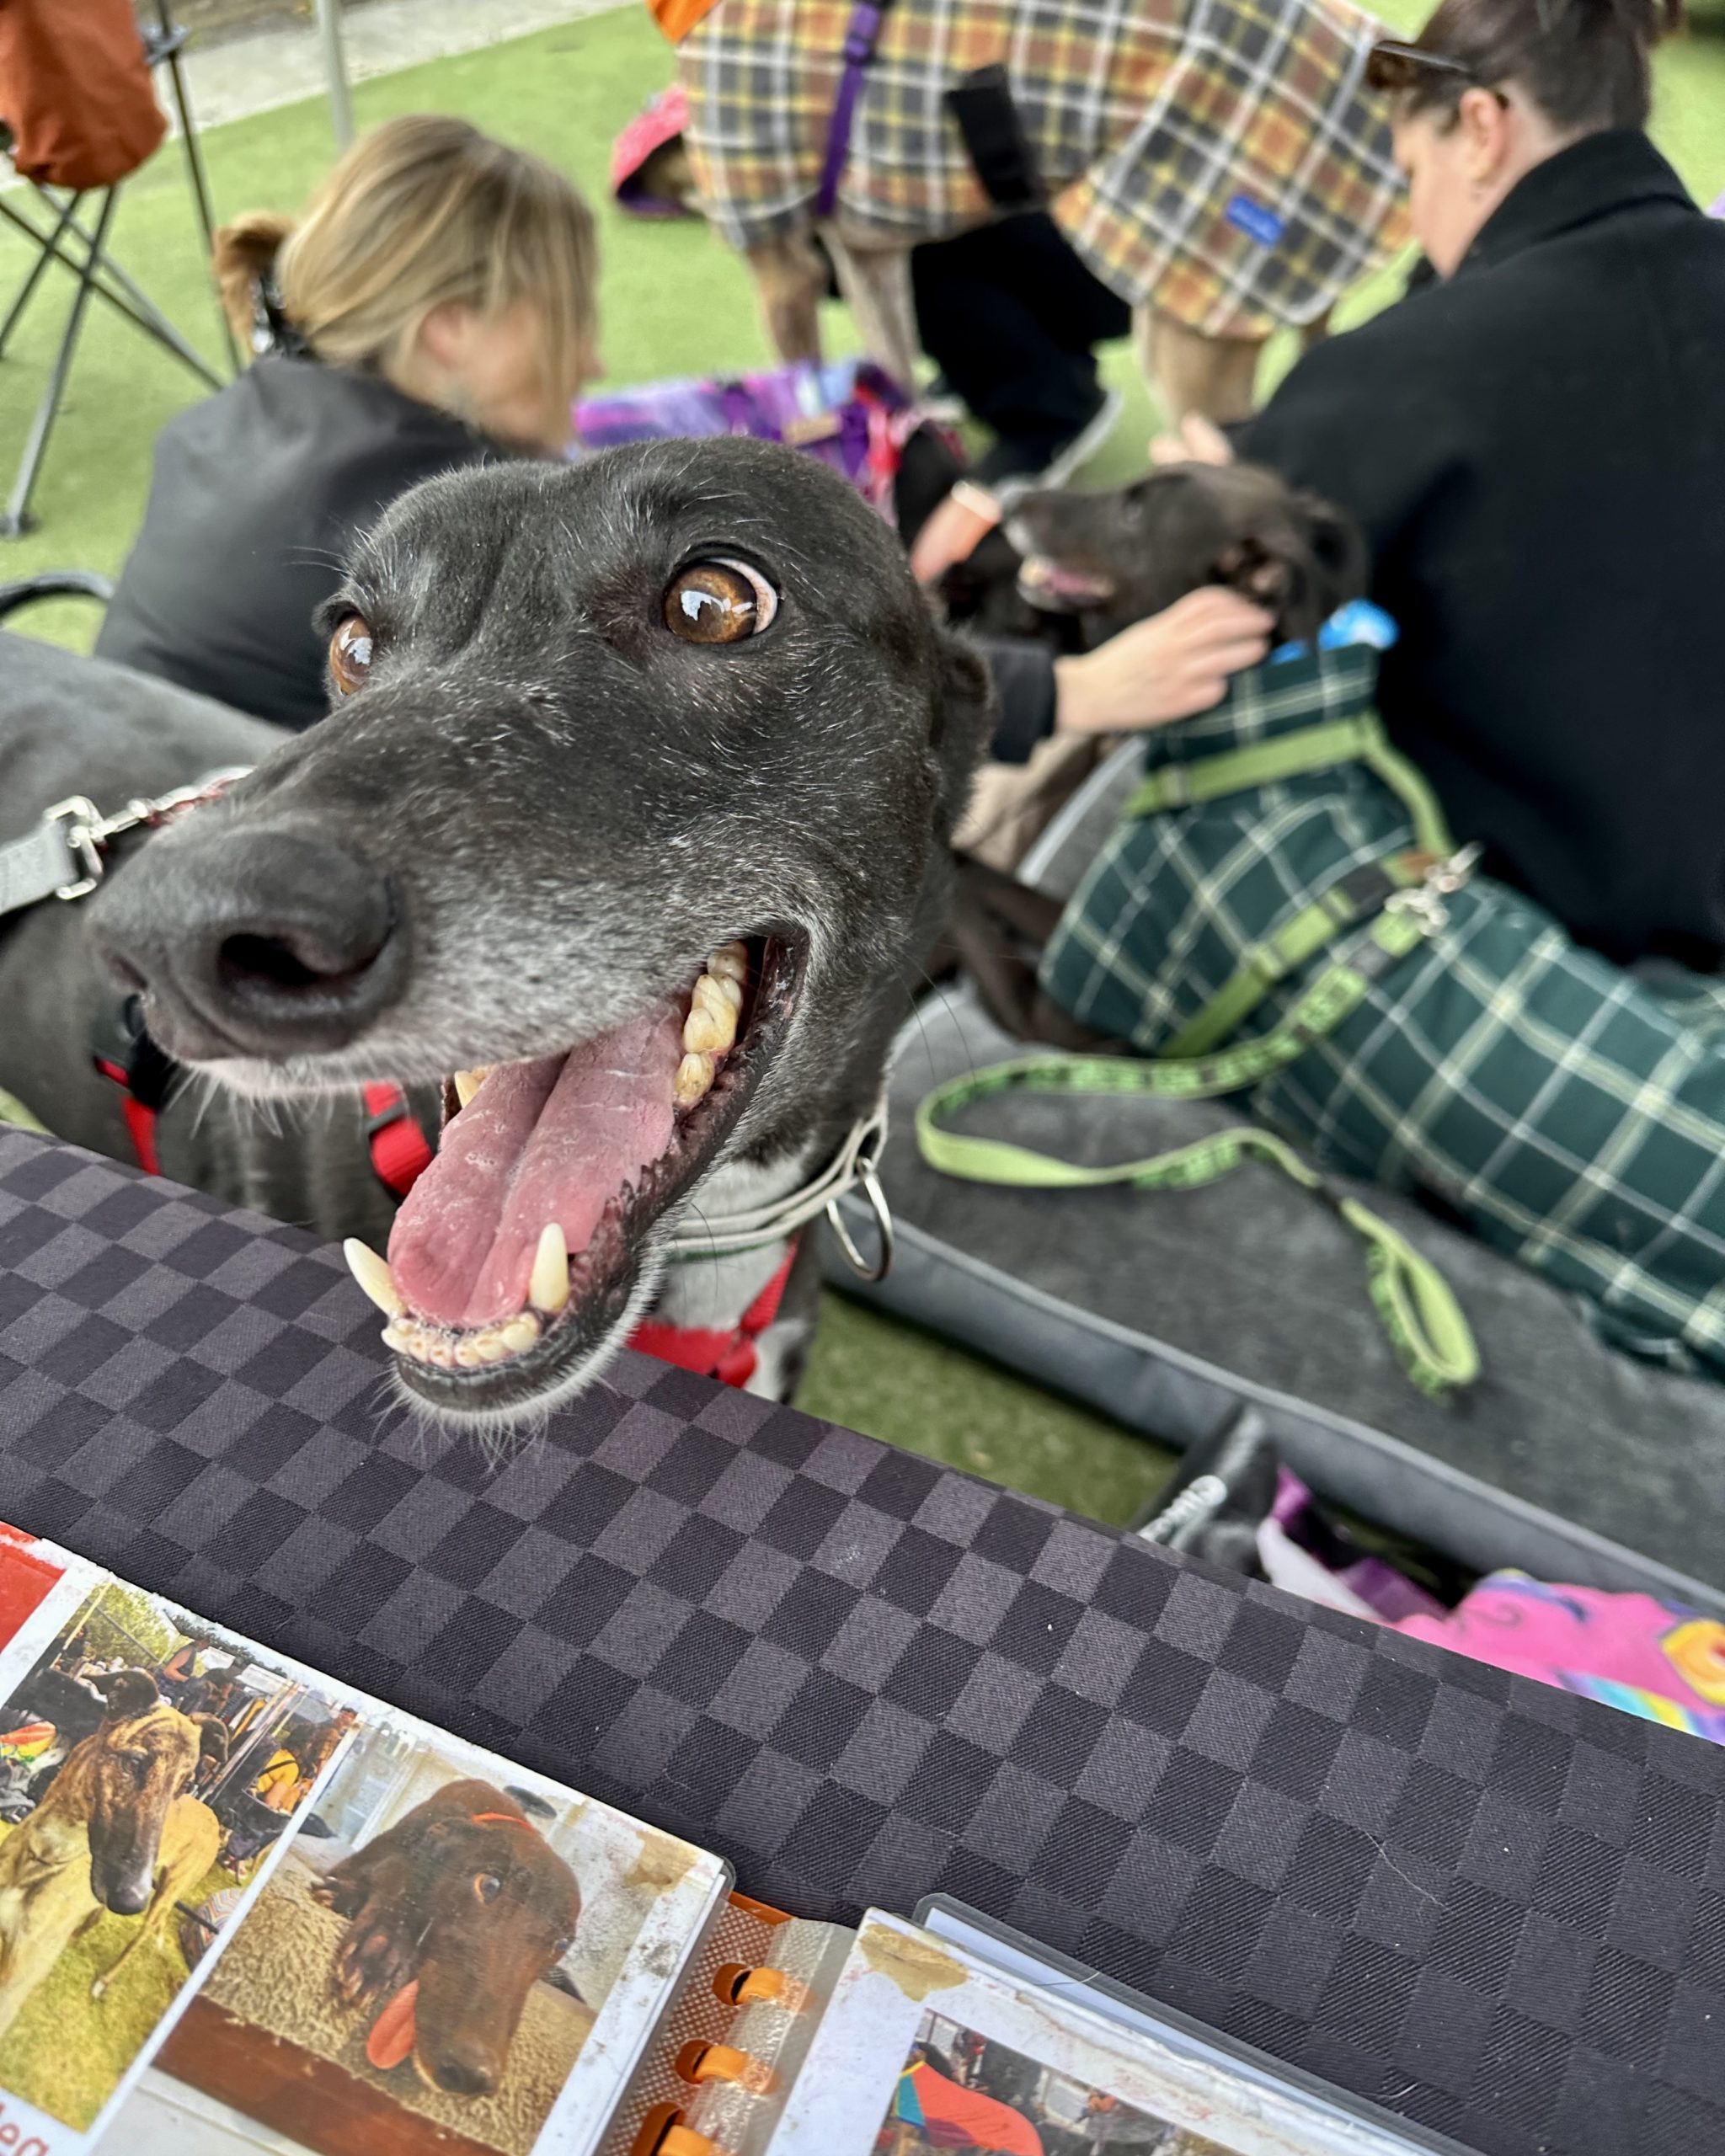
1655, 1659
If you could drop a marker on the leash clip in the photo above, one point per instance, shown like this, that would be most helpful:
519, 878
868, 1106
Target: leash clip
1441, 881
87, 830
84, 825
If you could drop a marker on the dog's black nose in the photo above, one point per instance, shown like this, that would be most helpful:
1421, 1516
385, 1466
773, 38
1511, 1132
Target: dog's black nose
464, 2077
248, 942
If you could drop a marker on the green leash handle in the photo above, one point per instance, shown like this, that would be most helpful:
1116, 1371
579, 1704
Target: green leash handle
1414, 1303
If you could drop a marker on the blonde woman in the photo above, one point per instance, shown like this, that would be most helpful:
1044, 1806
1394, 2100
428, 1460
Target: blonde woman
434, 307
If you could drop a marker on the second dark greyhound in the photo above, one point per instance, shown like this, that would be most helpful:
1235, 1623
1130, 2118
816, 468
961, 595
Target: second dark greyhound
630, 822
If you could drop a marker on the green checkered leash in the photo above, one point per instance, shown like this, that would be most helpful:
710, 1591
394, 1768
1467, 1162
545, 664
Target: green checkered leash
1401, 901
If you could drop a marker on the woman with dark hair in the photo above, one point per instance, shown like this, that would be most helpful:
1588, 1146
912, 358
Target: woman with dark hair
1534, 442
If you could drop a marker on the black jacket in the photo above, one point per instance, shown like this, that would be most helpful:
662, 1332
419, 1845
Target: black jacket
1536, 449
255, 495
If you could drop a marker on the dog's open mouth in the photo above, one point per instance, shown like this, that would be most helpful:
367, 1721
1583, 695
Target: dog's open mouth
517, 1250
1056, 588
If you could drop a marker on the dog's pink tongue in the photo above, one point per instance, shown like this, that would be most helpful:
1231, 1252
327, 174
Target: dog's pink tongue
395, 2031
553, 1140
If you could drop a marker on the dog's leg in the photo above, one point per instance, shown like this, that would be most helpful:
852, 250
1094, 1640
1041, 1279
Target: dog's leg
790, 280
1213, 376
1315, 330
783, 1350
876, 283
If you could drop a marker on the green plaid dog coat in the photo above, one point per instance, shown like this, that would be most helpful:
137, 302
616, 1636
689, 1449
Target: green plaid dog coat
1452, 1041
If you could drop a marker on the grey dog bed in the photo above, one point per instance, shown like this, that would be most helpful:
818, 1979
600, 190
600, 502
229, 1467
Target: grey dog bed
1168, 1309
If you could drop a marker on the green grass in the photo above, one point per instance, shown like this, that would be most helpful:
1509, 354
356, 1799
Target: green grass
66, 2052
674, 302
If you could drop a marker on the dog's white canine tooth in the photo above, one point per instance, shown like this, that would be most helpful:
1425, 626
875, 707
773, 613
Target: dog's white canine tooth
694, 1080
730, 962
520, 1333
373, 1273
468, 1082
706, 1032
548, 1283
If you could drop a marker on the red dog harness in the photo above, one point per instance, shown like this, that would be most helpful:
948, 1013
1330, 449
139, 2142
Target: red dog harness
730, 1355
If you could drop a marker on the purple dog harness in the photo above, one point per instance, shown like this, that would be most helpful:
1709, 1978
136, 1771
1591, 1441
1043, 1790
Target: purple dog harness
862, 36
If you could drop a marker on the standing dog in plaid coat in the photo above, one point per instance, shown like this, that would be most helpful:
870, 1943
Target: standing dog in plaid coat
1219, 163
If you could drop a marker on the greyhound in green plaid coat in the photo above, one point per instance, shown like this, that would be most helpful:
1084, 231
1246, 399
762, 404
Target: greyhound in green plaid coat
1281, 913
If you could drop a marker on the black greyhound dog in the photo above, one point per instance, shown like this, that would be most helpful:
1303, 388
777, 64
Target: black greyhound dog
632, 810
1095, 563
73, 726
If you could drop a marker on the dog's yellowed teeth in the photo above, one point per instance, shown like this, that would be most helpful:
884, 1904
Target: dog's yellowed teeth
467, 1355
373, 1273
708, 1031
440, 1351
397, 1333
468, 1082
730, 961
548, 1284
694, 1080
520, 1333
489, 1347
716, 993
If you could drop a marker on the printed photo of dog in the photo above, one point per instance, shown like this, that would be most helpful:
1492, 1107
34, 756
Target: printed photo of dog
135, 1754
424, 1967
961, 2091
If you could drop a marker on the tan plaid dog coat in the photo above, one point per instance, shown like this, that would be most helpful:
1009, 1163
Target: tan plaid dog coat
1222, 159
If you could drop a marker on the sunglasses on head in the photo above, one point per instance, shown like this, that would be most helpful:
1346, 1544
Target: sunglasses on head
1391, 67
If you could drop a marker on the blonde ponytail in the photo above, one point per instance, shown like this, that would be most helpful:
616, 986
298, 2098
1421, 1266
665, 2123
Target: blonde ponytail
422, 212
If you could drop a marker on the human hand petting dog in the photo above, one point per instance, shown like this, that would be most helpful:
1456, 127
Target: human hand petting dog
1172, 666
1195, 441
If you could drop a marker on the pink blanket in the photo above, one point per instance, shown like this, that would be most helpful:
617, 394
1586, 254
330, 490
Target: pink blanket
1654, 1659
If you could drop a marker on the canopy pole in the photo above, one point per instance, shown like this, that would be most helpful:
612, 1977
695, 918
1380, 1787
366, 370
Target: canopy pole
341, 101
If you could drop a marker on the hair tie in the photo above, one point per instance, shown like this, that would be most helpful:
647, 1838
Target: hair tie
272, 333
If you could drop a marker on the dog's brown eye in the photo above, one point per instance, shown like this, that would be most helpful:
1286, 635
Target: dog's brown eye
487, 1886
350, 652
719, 602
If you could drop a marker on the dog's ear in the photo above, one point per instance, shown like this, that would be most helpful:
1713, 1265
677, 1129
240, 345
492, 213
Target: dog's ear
212, 1738
1340, 565
1308, 563
965, 710
128, 1692
1263, 573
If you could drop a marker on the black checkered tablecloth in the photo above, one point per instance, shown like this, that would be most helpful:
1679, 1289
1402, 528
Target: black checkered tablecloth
1493, 1906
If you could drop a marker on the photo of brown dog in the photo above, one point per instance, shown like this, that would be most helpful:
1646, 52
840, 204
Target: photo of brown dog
424, 1969
132, 1755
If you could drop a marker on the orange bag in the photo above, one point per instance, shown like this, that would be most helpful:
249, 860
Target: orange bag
75, 90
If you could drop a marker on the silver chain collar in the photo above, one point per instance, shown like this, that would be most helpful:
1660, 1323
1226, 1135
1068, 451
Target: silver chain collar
854, 1167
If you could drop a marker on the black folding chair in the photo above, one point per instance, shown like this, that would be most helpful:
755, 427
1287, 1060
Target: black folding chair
54, 220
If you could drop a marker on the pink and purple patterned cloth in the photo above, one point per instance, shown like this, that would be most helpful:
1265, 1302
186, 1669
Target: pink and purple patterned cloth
848, 413
1654, 1659
1661, 1661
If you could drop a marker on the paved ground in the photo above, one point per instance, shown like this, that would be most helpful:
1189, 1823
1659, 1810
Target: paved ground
278, 63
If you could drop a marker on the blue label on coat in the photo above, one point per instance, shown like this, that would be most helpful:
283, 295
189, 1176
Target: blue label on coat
1257, 222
